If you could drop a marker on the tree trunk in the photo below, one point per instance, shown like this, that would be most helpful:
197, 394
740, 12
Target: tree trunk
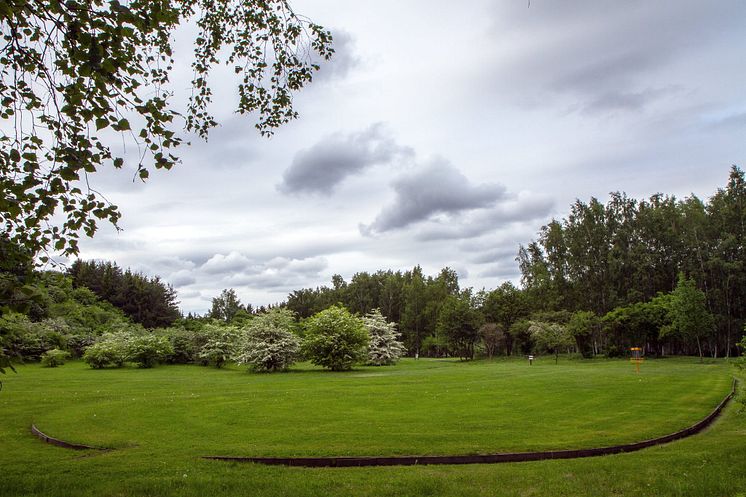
699, 346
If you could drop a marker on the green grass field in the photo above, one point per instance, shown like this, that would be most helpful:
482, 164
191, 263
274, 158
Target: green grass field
161, 420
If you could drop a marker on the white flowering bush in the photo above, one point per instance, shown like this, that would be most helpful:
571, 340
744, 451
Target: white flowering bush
218, 349
267, 343
384, 347
147, 350
110, 350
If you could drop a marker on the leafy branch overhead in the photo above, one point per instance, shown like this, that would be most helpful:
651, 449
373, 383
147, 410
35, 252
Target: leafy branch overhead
75, 74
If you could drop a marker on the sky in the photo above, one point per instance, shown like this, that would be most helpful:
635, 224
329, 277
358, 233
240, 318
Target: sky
440, 134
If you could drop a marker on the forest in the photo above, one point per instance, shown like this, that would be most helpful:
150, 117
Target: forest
661, 273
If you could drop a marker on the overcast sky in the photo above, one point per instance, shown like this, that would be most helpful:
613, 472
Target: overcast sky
442, 134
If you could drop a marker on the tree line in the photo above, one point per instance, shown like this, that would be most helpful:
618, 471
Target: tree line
75, 322
147, 301
627, 252
663, 274
615, 275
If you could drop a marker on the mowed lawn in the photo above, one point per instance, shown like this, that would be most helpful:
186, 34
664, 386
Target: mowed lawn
161, 420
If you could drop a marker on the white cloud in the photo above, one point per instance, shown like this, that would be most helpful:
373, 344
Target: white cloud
232, 263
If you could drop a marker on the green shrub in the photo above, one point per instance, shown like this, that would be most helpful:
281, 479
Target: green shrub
335, 339
29, 346
183, 343
741, 361
217, 350
111, 350
147, 350
77, 344
612, 351
431, 346
53, 358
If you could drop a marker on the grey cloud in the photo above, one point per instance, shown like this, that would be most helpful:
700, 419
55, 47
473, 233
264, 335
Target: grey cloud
231, 145
539, 12
311, 265
268, 281
461, 271
616, 100
736, 120
438, 188
523, 208
603, 54
172, 263
247, 275
498, 255
610, 83
190, 294
502, 271
239, 269
342, 62
322, 167
607, 71
279, 273
486, 244
181, 278
325, 242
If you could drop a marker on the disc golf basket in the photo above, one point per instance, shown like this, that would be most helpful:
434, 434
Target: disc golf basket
635, 356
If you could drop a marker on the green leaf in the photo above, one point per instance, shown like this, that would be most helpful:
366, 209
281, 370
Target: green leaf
122, 125
68, 174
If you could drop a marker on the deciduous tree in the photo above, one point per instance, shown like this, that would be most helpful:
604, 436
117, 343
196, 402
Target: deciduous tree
225, 306
76, 74
551, 337
267, 343
492, 337
384, 347
458, 325
583, 325
335, 339
688, 312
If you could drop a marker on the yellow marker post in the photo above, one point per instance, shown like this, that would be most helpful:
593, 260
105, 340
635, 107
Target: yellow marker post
636, 357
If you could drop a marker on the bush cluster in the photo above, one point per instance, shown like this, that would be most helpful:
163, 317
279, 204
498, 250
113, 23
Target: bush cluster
53, 358
335, 339
73, 322
111, 350
145, 350
267, 343
59, 317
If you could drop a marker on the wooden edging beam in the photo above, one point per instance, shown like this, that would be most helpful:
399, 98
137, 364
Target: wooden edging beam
345, 462
62, 443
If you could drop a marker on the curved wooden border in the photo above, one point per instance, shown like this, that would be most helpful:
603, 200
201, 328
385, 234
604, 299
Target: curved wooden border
62, 443
344, 462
